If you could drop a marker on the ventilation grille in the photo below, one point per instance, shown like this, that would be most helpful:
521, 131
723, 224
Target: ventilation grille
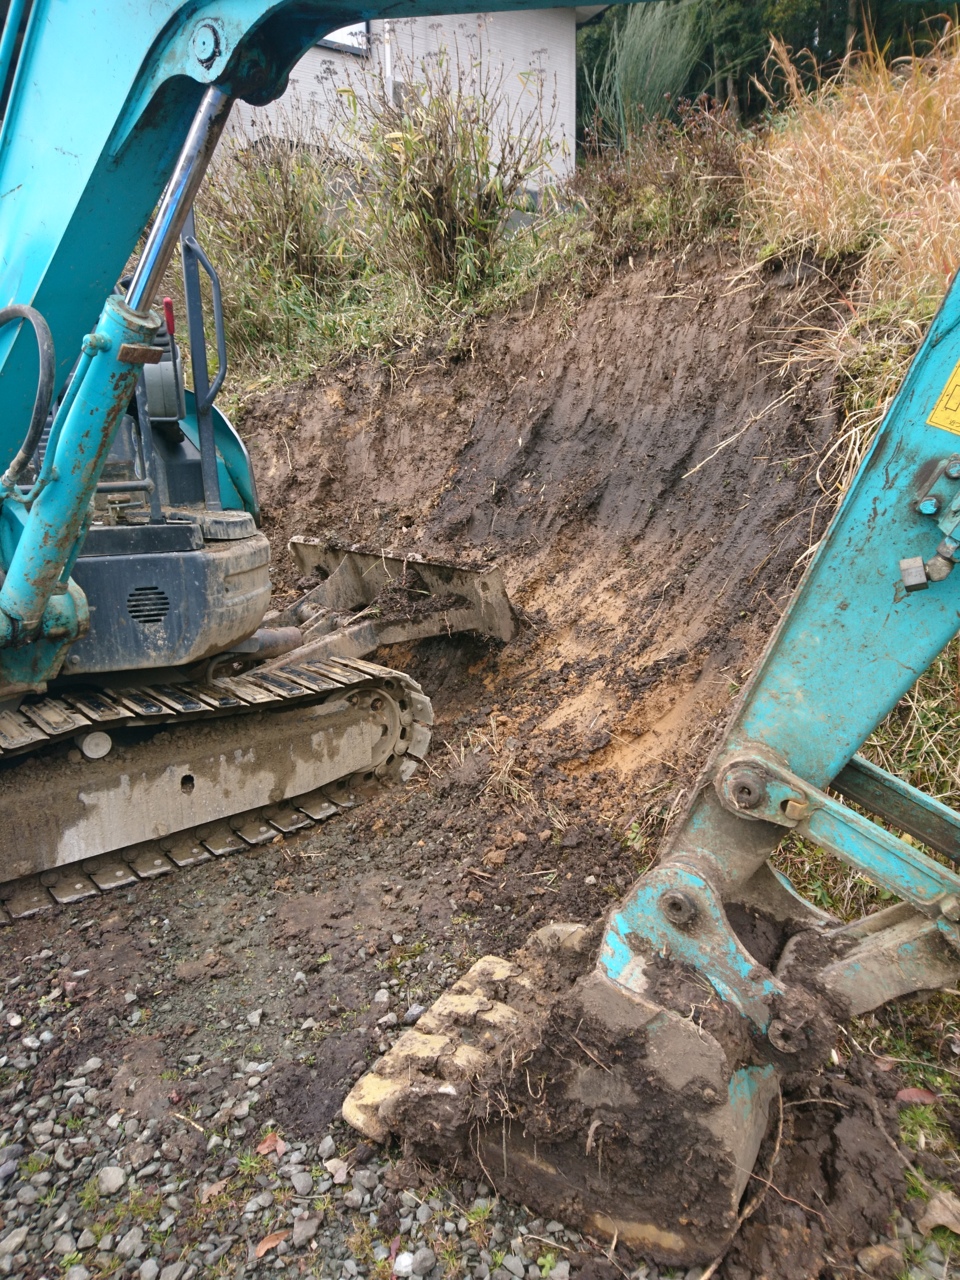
148, 604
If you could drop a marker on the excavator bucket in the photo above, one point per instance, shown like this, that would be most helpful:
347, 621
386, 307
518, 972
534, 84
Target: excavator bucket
604, 1109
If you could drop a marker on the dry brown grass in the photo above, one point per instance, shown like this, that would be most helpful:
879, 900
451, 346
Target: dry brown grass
867, 165
863, 175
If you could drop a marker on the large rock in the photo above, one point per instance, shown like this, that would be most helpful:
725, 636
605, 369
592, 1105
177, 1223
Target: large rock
110, 1180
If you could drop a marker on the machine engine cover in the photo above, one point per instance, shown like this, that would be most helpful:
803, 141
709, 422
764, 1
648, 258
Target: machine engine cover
170, 607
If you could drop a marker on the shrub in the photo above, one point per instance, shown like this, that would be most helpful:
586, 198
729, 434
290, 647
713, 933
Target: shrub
446, 162
674, 181
399, 211
270, 219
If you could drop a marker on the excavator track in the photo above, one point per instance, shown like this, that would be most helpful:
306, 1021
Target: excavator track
89, 767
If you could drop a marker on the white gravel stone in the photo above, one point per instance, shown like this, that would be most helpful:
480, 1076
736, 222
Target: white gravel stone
13, 1242
403, 1264
110, 1180
149, 1270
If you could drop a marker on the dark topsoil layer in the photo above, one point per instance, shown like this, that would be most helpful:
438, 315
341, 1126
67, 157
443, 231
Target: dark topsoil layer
642, 471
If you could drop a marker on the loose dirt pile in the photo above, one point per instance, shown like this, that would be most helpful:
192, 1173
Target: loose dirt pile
643, 473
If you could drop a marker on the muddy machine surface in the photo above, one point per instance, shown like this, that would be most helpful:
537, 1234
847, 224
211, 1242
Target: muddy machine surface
153, 710
622, 1077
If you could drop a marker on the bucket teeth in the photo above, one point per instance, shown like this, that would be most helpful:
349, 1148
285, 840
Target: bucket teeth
574, 1096
363, 1105
435, 1064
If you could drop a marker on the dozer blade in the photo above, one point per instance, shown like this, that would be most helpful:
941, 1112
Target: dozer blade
368, 598
611, 1112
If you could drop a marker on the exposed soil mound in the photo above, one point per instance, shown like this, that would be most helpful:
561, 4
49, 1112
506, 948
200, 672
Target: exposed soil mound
642, 471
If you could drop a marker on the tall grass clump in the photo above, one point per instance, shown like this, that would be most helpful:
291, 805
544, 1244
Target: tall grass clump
271, 220
867, 164
672, 182
408, 204
861, 174
651, 57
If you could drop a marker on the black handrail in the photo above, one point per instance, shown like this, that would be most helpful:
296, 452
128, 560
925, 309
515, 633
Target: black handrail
204, 392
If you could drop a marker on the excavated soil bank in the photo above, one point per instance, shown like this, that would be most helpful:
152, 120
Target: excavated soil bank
642, 474
642, 471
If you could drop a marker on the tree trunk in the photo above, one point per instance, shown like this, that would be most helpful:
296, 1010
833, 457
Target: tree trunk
733, 101
851, 23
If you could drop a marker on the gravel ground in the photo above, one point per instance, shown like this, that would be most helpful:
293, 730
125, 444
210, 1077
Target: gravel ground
92, 1189
95, 1188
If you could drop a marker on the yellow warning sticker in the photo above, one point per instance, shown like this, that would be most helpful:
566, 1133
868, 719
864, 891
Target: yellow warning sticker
946, 412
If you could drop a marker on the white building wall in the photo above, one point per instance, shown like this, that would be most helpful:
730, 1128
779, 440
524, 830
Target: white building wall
532, 52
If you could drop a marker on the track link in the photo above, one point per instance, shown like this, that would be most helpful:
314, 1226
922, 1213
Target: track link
44, 722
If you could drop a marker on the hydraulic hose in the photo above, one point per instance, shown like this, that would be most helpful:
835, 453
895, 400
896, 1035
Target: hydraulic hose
41, 405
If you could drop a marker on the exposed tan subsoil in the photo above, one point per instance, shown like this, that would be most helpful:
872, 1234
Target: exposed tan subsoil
642, 472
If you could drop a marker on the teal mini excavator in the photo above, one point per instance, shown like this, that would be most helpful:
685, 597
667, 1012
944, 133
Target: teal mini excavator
153, 711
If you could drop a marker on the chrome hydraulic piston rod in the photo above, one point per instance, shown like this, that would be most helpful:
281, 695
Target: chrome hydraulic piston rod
117, 351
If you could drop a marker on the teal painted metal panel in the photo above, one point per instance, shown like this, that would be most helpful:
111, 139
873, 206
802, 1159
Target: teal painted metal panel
237, 488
